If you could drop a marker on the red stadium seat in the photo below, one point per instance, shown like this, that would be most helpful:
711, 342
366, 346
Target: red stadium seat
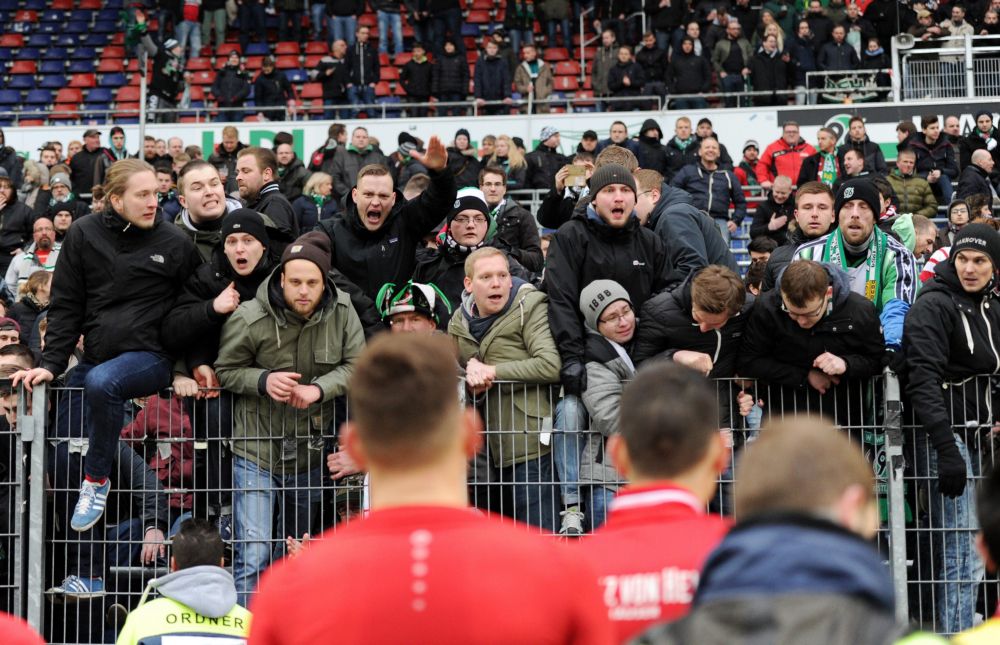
12, 40
369, 20
127, 94
222, 51
584, 94
311, 91
83, 80
191, 119
383, 59
286, 62
482, 5
68, 95
389, 73
400, 90
91, 4
286, 48
316, 47
253, 63
113, 51
403, 58
197, 93
315, 106
26, 15
203, 78
31, 122
555, 54
312, 61
382, 89
471, 55
567, 68
198, 64
23, 67
61, 5
478, 17
566, 83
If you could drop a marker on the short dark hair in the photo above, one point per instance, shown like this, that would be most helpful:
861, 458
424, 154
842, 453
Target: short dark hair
755, 274
197, 543
762, 244
813, 188
584, 156
164, 168
420, 374
705, 120
667, 435
20, 353
855, 119
906, 126
988, 502
264, 157
492, 170
190, 167
928, 120
857, 153
804, 280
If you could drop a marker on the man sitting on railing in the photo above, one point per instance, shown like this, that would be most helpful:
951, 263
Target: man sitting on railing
286, 355
952, 334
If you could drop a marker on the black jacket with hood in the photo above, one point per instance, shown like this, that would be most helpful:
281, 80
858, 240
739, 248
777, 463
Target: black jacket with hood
272, 203
872, 153
950, 336
762, 217
369, 259
114, 283
587, 249
517, 234
652, 154
543, 164
691, 239
780, 353
15, 225
11, 162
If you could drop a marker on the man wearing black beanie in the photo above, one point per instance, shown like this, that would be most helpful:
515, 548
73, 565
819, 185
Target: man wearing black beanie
951, 335
286, 355
983, 137
879, 267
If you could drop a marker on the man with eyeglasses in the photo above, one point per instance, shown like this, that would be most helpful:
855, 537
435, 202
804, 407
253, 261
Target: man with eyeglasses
516, 230
879, 267
375, 238
808, 336
469, 227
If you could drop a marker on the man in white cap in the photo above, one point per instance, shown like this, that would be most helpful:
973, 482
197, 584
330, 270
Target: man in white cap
546, 160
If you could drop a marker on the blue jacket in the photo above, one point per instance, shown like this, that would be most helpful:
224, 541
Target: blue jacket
713, 190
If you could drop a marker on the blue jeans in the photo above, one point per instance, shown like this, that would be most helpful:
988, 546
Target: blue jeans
125, 540
341, 28
188, 29
533, 492
258, 495
519, 38
360, 95
453, 110
570, 428
290, 24
689, 104
566, 33
441, 24
959, 567
386, 21
723, 225
317, 12
253, 21
731, 83
106, 388
945, 188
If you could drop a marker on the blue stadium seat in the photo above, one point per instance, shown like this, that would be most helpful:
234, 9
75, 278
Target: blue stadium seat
67, 41
39, 40
297, 75
34, 5
51, 28
56, 53
100, 95
87, 107
105, 27
53, 82
84, 53
6, 55
51, 67
38, 98
112, 80
106, 14
21, 82
53, 15
81, 67
10, 5
82, 15
470, 30
28, 53
97, 40
10, 97
76, 28
127, 120
257, 49
113, 4
389, 113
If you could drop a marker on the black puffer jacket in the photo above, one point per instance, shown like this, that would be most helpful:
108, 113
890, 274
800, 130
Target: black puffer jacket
939, 155
975, 141
872, 153
691, 238
15, 226
12, 162
677, 158
652, 155
231, 86
369, 259
666, 327
653, 63
292, 179
114, 283
689, 74
272, 203
450, 75
586, 249
780, 353
492, 79
762, 217
465, 168
543, 164
950, 335
781, 256
517, 234
974, 181
192, 328
416, 79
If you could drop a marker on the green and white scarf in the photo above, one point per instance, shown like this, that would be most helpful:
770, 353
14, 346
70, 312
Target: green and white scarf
828, 169
833, 252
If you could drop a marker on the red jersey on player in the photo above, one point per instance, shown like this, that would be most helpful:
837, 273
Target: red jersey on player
430, 574
649, 553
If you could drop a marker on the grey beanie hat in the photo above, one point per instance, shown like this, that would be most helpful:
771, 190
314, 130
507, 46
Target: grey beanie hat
597, 296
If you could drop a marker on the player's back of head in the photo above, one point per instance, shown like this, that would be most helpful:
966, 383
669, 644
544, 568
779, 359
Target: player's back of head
403, 398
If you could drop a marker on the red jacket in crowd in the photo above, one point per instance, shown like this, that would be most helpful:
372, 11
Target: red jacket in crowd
649, 553
172, 461
779, 158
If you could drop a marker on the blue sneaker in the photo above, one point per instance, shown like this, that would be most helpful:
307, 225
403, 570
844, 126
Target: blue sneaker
77, 588
90, 506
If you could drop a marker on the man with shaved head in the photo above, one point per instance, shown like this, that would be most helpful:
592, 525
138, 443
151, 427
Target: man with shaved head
975, 178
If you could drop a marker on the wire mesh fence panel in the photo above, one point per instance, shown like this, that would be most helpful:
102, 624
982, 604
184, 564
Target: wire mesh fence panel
13, 474
946, 583
987, 76
933, 79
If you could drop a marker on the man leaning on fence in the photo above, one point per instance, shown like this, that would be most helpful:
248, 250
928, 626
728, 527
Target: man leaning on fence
118, 273
503, 334
952, 334
286, 355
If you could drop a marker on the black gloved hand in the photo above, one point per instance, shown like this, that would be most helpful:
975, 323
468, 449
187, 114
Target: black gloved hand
573, 377
951, 470
895, 359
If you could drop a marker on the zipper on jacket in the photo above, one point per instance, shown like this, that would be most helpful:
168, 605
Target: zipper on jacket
989, 332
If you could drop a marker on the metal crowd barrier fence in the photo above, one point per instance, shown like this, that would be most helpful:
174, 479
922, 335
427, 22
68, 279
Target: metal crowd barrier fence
262, 472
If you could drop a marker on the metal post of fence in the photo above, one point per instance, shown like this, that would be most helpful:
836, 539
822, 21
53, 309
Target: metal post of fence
897, 500
32, 428
970, 72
